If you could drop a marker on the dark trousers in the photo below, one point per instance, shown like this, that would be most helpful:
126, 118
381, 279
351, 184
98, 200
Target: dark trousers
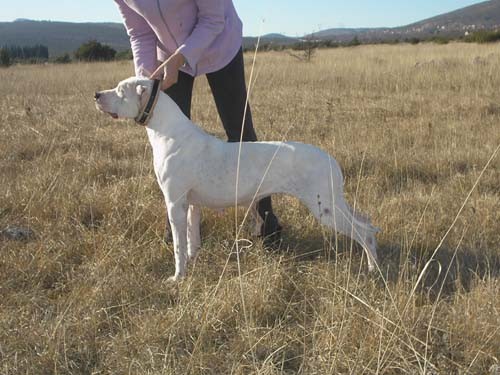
230, 94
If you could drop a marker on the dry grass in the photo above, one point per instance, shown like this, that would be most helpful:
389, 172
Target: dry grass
412, 127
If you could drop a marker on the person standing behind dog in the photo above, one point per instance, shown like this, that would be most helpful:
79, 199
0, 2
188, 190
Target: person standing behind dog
197, 37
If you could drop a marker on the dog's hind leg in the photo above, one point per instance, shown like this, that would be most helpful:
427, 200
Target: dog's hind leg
177, 214
193, 231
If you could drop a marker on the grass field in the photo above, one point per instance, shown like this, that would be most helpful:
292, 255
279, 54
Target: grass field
416, 130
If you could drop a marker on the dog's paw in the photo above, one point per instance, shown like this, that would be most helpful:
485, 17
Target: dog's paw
174, 279
192, 254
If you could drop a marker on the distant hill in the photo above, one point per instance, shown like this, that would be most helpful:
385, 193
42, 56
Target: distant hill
62, 37
340, 33
269, 39
277, 37
485, 15
482, 16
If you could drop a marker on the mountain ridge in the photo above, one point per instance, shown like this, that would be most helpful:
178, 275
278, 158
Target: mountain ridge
481, 16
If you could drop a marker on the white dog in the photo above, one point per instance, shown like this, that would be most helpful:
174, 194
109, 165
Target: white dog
195, 169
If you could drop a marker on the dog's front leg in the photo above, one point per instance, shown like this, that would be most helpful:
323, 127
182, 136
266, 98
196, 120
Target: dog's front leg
177, 214
193, 231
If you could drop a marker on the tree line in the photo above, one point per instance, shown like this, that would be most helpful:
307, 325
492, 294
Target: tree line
95, 51
310, 43
89, 51
36, 52
31, 54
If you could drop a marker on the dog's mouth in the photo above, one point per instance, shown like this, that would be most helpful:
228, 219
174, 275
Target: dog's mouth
112, 114
100, 108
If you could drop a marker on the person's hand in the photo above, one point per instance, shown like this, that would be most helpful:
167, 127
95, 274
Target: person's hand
169, 70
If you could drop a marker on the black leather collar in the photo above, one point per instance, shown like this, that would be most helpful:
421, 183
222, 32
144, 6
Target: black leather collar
146, 113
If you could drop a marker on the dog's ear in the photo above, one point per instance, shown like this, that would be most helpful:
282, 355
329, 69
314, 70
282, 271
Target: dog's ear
140, 90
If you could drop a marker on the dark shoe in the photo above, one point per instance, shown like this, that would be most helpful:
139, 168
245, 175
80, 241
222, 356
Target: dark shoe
270, 231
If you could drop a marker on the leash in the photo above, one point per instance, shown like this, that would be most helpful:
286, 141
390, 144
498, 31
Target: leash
146, 113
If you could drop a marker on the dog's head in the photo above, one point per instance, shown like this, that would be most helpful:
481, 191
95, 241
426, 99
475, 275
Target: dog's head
126, 100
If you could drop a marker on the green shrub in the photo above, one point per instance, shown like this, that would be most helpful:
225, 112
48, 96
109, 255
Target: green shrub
412, 40
4, 57
354, 42
63, 59
124, 55
483, 36
440, 40
95, 51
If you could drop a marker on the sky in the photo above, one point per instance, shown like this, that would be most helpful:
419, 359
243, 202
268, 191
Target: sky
289, 17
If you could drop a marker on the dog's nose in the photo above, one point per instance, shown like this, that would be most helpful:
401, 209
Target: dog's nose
97, 95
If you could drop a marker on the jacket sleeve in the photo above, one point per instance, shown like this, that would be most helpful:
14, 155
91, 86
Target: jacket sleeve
143, 40
210, 23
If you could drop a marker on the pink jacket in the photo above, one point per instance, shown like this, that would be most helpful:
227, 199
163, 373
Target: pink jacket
208, 33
